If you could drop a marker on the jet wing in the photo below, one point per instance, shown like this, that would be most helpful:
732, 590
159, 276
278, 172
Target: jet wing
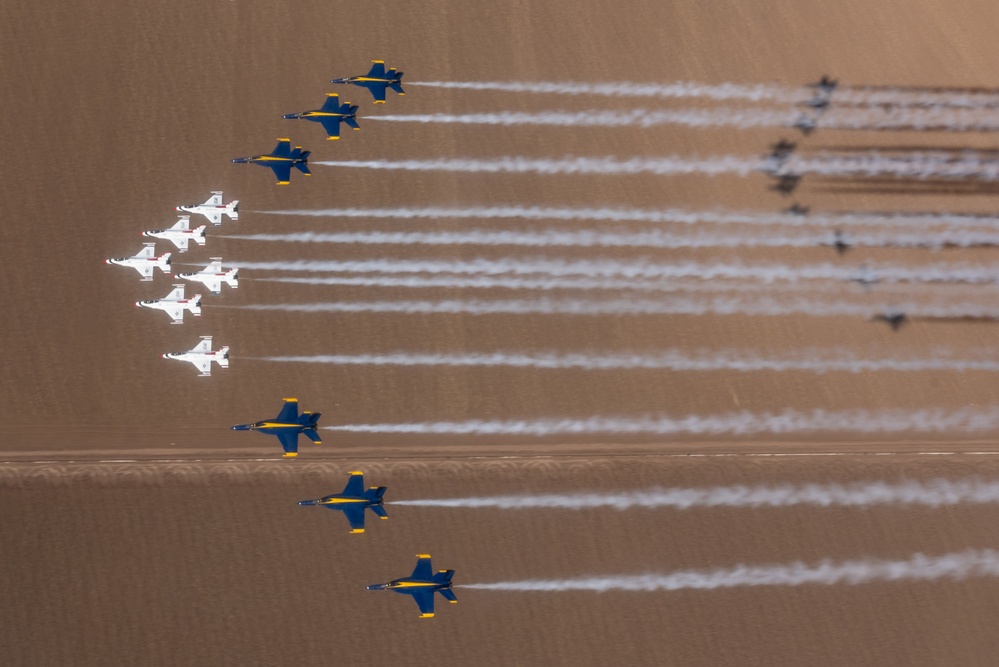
289, 441
423, 570
355, 485
289, 412
282, 172
425, 601
377, 69
204, 346
283, 148
177, 314
332, 103
214, 200
146, 271
332, 127
182, 223
176, 293
203, 365
214, 217
213, 283
148, 251
355, 515
378, 91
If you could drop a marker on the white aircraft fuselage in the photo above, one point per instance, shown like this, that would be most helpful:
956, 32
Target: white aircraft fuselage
174, 304
214, 209
202, 356
144, 262
213, 275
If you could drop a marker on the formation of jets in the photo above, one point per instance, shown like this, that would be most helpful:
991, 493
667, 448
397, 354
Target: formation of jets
287, 426
176, 303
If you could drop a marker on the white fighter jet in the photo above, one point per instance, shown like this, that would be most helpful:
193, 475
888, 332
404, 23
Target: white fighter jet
202, 356
180, 233
145, 261
214, 209
174, 304
213, 275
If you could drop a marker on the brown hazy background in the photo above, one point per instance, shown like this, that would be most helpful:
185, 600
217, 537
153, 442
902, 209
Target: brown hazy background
115, 112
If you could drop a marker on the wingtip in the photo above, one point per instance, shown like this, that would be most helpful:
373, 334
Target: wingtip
356, 531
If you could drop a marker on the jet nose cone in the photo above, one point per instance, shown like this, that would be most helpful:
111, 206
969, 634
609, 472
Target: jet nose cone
376, 587
290, 116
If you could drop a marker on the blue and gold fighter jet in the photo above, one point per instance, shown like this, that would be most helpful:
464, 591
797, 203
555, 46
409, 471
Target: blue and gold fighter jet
281, 161
330, 115
422, 585
353, 501
287, 425
376, 81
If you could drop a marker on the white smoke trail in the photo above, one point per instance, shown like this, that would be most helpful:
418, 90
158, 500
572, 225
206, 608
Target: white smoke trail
664, 166
934, 493
646, 239
954, 566
680, 89
809, 360
898, 118
918, 165
490, 282
732, 424
679, 216
711, 305
637, 269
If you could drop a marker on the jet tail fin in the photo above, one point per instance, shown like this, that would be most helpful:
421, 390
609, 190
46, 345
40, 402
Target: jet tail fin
379, 511
223, 357
444, 576
312, 435
196, 306
232, 278
163, 262
352, 122
232, 209
376, 492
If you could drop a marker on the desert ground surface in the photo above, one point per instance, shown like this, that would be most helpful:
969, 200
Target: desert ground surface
138, 529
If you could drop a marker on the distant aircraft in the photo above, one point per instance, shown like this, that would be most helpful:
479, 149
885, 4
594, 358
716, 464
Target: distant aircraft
202, 356
422, 585
806, 124
330, 115
180, 233
894, 318
144, 262
786, 183
213, 276
824, 85
214, 209
780, 153
839, 242
281, 161
174, 304
353, 501
287, 425
377, 81
796, 209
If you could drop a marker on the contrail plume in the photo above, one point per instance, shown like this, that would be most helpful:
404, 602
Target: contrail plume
934, 493
731, 424
646, 239
956, 566
679, 216
680, 89
637, 269
663, 166
808, 360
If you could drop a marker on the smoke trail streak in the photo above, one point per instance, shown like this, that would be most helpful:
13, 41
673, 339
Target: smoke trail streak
899, 118
725, 91
652, 216
926, 165
638, 269
935, 493
858, 95
732, 424
664, 166
648, 239
486, 282
812, 361
954, 566
713, 305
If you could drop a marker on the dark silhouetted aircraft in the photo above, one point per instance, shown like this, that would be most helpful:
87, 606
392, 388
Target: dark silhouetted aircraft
840, 242
786, 183
824, 85
894, 318
377, 81
422, 585
287, 425
281, 161
330, 115
796, 209
806, 124
866, 278
353, 501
